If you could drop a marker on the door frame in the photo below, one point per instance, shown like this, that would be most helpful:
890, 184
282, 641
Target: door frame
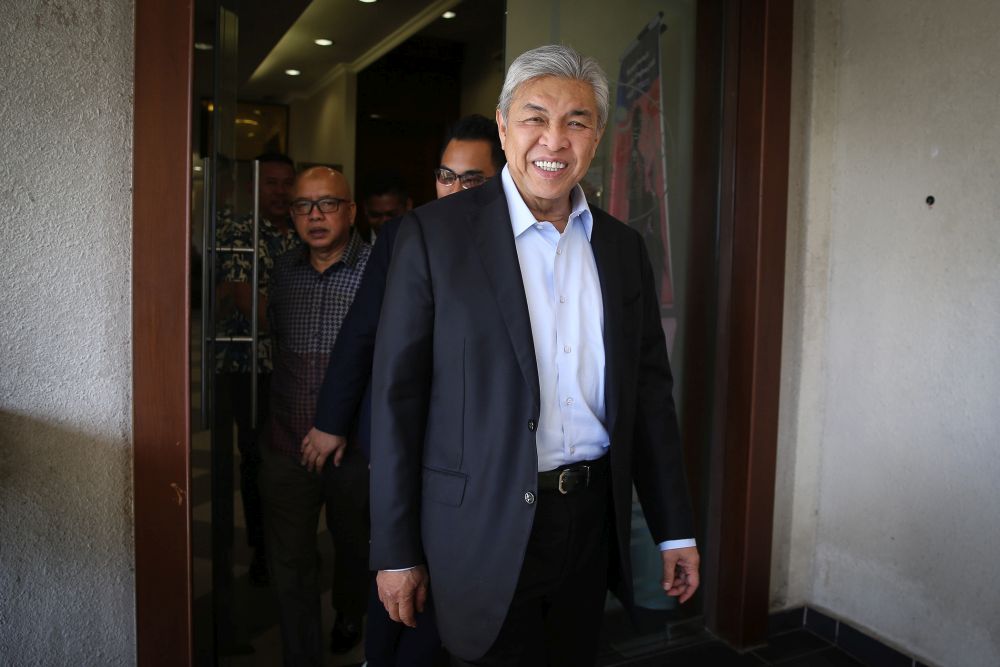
161, 288
740, 426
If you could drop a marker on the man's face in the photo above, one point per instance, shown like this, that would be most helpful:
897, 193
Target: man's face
277, 180
465, 158
324, 231
380, 209
550, 138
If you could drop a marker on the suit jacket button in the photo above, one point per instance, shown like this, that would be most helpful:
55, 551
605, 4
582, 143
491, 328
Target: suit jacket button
532, 425
529, 497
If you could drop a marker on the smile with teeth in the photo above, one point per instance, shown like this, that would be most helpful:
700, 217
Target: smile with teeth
546, 165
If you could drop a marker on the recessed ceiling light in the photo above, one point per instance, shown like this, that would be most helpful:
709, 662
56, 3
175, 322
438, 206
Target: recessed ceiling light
323, 42
292, 72
368, 2
449, 15
202, 46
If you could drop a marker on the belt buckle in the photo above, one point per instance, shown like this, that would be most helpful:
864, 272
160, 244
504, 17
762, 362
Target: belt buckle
563, 476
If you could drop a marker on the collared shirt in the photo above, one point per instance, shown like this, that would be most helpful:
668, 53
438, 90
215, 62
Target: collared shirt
237, 267
306, 309
563, 292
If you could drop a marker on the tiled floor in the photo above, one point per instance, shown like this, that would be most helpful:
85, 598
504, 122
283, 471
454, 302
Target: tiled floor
660, 639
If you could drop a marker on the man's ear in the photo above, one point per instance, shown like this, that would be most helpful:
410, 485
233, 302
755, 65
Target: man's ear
502, 129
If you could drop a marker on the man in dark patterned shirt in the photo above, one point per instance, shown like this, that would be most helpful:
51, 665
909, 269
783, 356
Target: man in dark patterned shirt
311, 291
276, 236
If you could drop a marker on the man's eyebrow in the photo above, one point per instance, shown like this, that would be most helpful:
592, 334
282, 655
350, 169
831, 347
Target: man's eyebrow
468, 171
531, 106
581, 112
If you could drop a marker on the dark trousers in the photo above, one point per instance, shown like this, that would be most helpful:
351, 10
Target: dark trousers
235, 404
391, 644
292, 498
555, 616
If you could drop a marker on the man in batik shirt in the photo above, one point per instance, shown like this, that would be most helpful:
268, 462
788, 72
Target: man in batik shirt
276, 235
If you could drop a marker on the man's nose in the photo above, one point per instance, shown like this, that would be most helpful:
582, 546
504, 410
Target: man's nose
554, 137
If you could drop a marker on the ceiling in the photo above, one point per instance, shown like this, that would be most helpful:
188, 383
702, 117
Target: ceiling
275, 36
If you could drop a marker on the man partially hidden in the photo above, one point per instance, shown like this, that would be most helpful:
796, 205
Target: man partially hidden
521, 387
471, 155
311, 291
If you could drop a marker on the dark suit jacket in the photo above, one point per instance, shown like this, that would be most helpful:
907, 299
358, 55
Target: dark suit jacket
455, 404
345, 397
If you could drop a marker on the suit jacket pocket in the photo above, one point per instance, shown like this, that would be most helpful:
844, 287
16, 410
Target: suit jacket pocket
444, 486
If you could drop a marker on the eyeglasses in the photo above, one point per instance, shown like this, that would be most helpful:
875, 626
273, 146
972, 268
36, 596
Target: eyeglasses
468, 180
325, 205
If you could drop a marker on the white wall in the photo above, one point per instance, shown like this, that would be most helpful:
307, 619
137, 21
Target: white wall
888, 509
323, 124
66, 548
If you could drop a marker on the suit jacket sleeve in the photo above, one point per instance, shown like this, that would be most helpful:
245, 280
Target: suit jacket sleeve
349, 370
401, 383
658, 462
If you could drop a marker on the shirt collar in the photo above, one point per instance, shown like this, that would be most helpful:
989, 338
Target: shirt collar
521, 218
349, 257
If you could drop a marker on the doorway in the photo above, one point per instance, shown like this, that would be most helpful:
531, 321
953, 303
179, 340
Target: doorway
752, 113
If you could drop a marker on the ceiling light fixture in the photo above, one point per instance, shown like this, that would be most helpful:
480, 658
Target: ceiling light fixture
323, 42
449, 15
368, 2
292, 72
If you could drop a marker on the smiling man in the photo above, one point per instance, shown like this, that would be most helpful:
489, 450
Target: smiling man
521, 387
312, 288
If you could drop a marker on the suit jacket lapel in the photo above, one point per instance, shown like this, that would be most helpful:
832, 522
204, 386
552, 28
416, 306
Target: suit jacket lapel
608, 270
494, 241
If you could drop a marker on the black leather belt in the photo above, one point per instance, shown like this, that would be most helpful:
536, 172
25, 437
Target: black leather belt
573, 477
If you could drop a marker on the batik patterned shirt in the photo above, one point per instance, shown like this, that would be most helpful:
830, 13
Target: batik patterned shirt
237, 267
306, 309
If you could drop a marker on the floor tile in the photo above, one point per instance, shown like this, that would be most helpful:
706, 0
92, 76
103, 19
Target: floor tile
830, 657
790, 645
870, 651
820, 624
786, 620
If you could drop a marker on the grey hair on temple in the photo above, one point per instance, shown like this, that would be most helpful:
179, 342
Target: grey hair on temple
555, 60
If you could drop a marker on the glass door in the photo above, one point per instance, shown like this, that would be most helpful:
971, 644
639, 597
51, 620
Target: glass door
224, 378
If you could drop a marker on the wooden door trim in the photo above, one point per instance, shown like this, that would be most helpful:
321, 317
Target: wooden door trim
752, 225
161, 199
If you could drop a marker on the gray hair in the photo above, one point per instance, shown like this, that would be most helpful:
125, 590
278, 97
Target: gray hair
555, 60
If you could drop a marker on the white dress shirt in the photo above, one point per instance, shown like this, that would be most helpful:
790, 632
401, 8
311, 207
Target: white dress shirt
563, 292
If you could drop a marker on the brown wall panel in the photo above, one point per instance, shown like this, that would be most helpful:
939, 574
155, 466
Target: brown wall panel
160, 288
752, 252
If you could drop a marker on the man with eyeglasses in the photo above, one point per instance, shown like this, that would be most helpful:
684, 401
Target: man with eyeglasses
311, 290
471, 155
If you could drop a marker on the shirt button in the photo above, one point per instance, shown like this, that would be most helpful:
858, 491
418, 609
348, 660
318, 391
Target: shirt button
567, 349
569, 401
532, 425
562, 299
529, 497
558, 251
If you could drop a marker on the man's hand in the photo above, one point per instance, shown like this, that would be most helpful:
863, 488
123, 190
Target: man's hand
317, 446
403, 593
680, 572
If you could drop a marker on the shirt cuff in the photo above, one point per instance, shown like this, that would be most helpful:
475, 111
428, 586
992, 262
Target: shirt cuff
401, 569
676, 544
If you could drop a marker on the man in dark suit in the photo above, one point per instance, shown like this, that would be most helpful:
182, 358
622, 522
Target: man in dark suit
521, 386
